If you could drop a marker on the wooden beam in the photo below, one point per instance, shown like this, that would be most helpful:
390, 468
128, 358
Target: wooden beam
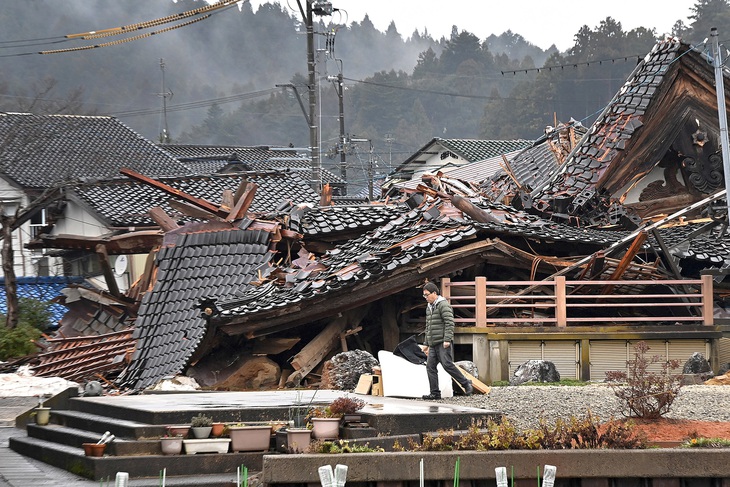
243, 203
164, 220
191, 210
111, 282
198, 202
629, 255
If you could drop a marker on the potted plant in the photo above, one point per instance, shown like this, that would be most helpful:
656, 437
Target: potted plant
218, 429
201, 425
348, 407
326, 420
249, 437
171, 445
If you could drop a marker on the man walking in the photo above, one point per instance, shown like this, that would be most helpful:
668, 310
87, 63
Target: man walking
439, 336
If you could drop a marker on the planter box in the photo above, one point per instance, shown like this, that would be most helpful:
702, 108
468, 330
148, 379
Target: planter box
250, 438
207, 445
326, 428
171, 446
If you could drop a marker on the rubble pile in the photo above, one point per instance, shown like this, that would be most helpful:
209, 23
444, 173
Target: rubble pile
344, 369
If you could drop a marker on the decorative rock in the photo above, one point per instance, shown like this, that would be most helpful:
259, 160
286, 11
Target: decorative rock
344, 369
468, 366
535, 371
724, 369
696, 364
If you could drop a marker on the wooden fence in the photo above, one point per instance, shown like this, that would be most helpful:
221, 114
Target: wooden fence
562, 302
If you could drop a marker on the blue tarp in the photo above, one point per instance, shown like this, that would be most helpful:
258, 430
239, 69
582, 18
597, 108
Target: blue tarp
42, 288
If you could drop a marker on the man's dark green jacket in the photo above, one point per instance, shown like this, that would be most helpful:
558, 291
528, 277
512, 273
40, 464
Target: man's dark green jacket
439, 322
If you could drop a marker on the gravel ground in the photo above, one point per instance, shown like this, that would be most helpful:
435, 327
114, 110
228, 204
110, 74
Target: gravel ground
525, 405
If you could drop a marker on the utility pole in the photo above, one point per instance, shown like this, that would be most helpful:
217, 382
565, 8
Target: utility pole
321, 8
165, 135
337, 81
721, 111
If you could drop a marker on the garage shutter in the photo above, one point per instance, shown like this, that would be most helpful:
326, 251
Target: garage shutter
723, 350
606, 355
683, 349
565, 355
656, 347
522, 351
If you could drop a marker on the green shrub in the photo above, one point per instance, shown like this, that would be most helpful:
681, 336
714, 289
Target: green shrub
342, 446
18, 341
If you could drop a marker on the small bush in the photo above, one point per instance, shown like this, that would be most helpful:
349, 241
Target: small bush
201, 421
645, 394
576, 433
706, 443
342, 446
18, 341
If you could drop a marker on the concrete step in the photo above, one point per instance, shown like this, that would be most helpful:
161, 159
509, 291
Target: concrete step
73, 460
75, 437
96, 423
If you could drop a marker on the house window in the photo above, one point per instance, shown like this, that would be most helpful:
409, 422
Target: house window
37, 222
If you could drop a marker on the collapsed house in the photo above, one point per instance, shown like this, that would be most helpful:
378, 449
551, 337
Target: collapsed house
582, 244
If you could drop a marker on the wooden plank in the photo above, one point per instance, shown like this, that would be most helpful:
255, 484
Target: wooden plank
364, 384
243, 203
273, 346
164, 220
476, 383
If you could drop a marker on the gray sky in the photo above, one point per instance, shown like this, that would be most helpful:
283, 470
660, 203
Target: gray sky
540, 22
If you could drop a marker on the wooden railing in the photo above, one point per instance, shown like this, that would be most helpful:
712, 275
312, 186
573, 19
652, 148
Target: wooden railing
561, 302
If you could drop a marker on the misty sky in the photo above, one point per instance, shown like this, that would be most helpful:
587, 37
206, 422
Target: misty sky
541, 23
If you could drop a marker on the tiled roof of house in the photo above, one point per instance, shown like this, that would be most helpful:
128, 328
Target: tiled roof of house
474, 172
322, 222
413, 236
590, 163
126, 203
42, 289
476, 150
169, 325
204, 159
37, 151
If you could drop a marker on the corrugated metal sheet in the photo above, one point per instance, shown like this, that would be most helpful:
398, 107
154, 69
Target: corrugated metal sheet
606, 355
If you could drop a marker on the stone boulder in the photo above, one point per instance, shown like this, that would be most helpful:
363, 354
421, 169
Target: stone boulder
468, 366
724, 369
696, 370
696, 364
535, 371
343, 370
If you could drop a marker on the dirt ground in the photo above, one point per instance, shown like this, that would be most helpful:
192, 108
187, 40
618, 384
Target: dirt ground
681, 429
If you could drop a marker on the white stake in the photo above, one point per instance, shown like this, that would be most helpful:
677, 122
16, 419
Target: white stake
501, 476
548, 478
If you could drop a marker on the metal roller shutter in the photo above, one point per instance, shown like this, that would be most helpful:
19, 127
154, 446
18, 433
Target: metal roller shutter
683, 349
565, 354
723, 350
522, 351
606, 355
656, 347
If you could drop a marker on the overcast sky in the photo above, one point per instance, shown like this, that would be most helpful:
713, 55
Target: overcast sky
540, 22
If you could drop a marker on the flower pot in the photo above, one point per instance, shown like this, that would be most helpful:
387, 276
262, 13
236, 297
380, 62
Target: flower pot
42, 416
326, 428
250, 438
297, 439
217, 429
172, 445
179, 430
201, 432
94, 449
207, 445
